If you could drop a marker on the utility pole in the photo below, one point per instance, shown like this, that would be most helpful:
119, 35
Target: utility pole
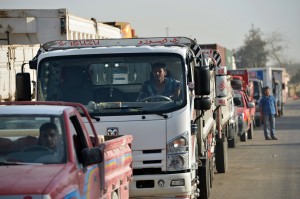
167, 31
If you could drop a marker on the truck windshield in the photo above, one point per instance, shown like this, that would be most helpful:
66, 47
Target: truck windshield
115, 84
31, 139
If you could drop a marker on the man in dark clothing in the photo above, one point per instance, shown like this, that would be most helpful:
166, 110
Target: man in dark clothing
268, 111
160, 85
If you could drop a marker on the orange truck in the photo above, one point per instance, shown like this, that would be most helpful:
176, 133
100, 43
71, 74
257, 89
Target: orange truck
76, 162
244, 98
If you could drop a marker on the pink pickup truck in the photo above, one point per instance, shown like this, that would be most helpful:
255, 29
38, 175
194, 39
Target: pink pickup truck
47, 152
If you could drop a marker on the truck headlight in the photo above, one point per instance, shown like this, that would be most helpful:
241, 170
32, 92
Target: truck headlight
178, 153
179, 144
177, 162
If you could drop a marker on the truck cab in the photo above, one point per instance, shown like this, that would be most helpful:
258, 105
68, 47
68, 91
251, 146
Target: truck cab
174, 138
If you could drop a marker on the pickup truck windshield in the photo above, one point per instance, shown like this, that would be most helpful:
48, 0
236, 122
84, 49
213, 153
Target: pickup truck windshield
31, 139
115, 84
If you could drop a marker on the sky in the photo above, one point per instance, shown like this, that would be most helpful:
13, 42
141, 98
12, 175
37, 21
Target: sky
225, 22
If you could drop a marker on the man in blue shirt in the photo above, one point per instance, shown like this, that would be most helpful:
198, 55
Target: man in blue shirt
268, 111
159, 85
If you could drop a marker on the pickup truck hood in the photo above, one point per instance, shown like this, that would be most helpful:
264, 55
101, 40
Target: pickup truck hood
27, 179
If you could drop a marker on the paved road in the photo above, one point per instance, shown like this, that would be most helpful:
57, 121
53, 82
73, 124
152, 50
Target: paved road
265, 168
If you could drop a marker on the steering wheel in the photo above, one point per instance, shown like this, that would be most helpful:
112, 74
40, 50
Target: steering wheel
37, 148
163, 98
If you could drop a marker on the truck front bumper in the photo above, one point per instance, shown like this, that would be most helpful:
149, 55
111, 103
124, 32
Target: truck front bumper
160, 186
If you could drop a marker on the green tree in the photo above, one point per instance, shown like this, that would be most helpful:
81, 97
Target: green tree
253, 53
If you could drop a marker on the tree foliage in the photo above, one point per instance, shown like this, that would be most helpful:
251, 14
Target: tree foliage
253, 53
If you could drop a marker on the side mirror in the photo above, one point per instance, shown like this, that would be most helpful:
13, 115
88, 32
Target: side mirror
237, 101
283, 86
202, 104
91, 156
251, 104
23, 87
202, 80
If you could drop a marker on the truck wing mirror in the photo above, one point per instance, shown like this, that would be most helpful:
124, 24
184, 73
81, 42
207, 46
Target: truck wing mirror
202, 104
237, 101
91, 156
283, 86
251, 104
23, 87
202, 80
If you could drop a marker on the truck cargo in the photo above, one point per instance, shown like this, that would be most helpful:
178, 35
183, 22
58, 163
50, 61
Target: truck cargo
226, 56
38, 26
175, 139
46, 151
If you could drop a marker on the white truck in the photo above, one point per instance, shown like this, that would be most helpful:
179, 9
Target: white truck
276, 79
38, 26
12, 57
174, 142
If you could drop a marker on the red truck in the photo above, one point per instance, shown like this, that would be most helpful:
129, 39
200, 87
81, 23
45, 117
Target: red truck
46, 151
244, 91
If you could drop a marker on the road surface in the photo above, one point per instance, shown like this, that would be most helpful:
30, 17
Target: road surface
262, 168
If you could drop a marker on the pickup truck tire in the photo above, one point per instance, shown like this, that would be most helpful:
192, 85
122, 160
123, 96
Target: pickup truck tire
221, 156
232, 142
250, 131
244, 137
204, 177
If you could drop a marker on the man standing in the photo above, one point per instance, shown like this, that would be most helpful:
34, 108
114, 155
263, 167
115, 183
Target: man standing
268, 111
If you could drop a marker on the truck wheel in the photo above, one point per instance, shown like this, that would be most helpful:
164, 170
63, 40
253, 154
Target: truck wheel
232, 142
250, 131
212, 172
244, 137
114, 195
204, 177
221, 156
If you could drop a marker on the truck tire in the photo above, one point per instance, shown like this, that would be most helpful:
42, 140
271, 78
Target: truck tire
204, 177
250, 131
221, 156
232, 142
244, 137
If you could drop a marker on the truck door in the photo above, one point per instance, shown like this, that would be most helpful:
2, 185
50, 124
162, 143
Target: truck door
87, 176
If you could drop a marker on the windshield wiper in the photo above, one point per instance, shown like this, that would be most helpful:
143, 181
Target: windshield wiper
137, 108
125, 107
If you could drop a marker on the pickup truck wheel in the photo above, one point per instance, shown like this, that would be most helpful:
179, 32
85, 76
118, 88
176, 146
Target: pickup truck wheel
204, 177
221, 156
244, 137
250, 131
114, 195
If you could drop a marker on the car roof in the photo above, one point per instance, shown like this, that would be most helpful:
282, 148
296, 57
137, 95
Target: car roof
32, 109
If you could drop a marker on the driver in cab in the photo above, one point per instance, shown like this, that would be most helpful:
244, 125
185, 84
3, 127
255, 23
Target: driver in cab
159, 86
49, 136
